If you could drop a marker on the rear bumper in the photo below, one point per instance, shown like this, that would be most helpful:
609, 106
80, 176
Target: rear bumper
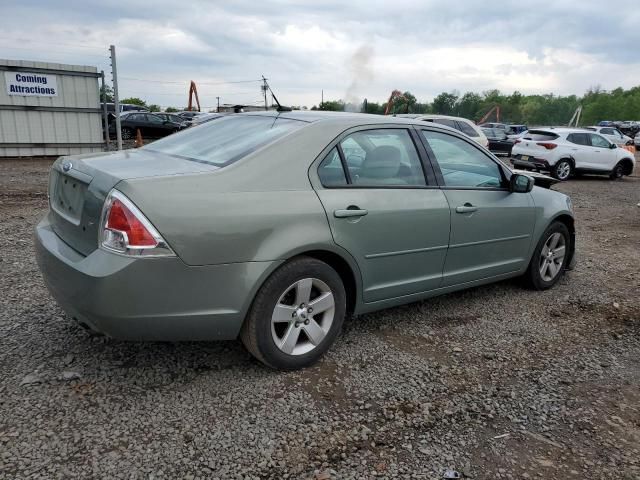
158, 299
531, 163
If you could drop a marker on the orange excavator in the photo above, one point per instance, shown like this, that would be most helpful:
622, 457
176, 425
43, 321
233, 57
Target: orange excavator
485, 117
193, 92
395, 97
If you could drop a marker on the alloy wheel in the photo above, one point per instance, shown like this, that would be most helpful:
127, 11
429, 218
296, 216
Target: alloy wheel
563, 170
302, 316
552, 256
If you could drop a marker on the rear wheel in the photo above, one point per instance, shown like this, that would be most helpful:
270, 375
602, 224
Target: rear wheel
617, 172
296, 315
549, 260
562, 170
127, 133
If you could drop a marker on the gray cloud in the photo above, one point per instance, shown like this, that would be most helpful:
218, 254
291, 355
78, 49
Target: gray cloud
302, 47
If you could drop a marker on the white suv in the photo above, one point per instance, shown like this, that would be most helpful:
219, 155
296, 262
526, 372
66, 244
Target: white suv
564, 151
463, 125
612, 134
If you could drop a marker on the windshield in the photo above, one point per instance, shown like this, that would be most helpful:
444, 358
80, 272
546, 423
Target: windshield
226, 140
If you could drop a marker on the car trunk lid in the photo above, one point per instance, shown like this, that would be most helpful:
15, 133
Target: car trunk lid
79, 184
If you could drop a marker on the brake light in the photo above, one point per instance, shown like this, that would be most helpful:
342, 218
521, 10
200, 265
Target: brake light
548, 145
518, 141
125, 229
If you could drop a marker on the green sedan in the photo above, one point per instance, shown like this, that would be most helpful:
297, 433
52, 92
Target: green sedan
271, 227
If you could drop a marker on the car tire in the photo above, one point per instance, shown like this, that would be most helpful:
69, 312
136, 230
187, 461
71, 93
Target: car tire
617, 172
562, 170
548, 263
282, 330
127, 133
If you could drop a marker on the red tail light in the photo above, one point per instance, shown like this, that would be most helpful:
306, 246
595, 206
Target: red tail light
517, 140
127, 231
121, 219
547, 145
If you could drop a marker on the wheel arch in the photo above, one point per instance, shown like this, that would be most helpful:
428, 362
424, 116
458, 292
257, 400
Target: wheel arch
627, 164
569, 222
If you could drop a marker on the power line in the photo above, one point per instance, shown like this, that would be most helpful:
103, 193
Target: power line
183, 82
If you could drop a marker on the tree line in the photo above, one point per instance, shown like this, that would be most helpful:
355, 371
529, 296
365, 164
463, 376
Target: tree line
547, 109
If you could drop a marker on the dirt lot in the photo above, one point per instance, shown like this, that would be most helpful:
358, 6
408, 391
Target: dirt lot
496, 382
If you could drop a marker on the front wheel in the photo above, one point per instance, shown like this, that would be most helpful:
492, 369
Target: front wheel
296, 315
562, 170
550, 257
127, 133
617, 172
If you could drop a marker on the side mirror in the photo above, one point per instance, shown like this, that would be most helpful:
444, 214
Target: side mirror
520, 183
612, 146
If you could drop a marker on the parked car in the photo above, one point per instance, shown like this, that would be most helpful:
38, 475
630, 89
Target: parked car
515, 130
605, 123
149, 124
189, 114
502, 126
499, 141
172, 117
205, 117
565, 151
461, 124
612, 134
636, 140
257, 226
126, 107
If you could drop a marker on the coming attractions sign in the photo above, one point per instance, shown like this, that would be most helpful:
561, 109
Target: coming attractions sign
31, 84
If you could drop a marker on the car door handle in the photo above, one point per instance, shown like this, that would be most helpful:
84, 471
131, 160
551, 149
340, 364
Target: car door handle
350, 212
466, 208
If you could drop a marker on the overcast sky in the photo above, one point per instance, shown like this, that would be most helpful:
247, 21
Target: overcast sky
350, 48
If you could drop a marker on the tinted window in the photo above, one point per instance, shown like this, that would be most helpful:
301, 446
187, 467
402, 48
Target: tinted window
330, 170
226, 140
540, 136
579, 138
382, 157
135, 117
154, 119
446, 121
462, 164
599, 141
608, 131
467, 129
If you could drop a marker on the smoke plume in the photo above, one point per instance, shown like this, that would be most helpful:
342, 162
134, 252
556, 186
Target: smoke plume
360, 66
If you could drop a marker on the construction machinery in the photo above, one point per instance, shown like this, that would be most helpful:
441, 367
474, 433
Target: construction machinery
395, 97
486, 116
575, 120
193, 92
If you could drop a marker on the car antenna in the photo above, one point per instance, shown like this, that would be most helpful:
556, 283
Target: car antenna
280, 107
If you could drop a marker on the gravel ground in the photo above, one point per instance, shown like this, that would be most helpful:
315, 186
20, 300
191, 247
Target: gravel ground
495, 382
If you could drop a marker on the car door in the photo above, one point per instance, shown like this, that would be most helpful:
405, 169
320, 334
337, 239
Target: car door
580, 150
156, 126
603, 157
491, 228
382, 208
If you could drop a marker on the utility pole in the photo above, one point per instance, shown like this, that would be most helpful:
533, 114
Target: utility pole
218, 107
105, 118
264, 87
116, 98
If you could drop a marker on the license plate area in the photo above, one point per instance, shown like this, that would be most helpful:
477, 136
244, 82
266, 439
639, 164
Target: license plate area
524, 157
67, 198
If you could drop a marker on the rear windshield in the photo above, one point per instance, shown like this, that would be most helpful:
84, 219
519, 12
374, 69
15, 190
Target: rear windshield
539, 135
226, 140
467, 129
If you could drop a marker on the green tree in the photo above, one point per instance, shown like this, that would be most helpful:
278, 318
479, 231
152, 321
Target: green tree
171, 109
106, 94
445, 103
134, 101
154, 108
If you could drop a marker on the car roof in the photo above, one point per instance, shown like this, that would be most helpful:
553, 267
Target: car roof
560, 130
422, 116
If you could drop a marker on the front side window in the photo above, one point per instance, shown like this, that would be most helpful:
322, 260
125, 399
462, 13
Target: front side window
154, 119
382, 157
599, 141
135, 117
226, 140
462, 164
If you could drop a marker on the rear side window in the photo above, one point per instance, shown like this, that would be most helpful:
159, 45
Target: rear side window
608, 131
447, 122
227, 140
376, 158
579, 138
330, 170
467, 129
540, 136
